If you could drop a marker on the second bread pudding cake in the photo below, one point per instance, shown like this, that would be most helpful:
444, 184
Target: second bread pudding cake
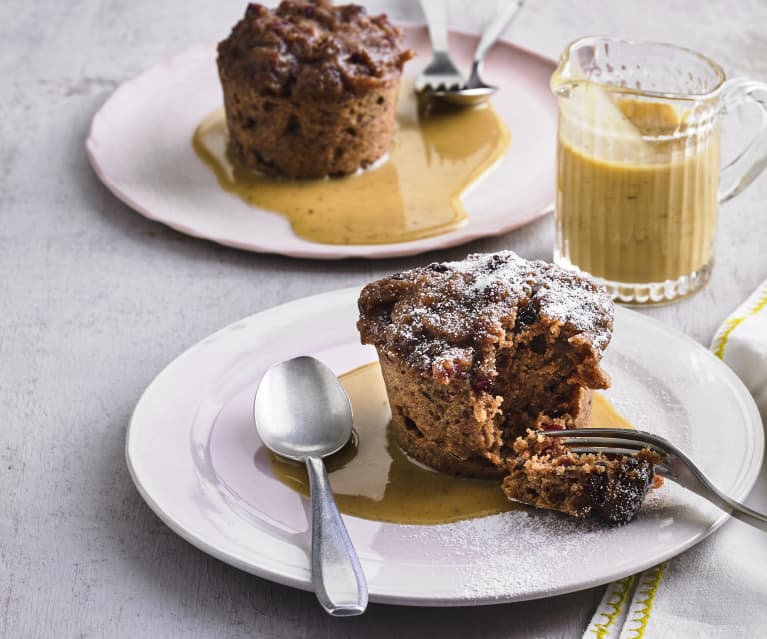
476, 354
310, 89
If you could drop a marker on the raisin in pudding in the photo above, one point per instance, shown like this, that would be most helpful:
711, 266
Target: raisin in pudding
310, 89
476, 353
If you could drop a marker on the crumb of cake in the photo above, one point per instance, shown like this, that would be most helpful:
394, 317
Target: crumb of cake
546, 474
310, 89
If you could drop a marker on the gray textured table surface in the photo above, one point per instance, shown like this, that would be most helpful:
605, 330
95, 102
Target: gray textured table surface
95, 300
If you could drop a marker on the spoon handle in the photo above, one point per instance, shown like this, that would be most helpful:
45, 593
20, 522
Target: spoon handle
507, 9
339, 582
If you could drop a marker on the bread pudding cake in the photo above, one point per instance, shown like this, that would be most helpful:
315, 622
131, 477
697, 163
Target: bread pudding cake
477, 353
310, 89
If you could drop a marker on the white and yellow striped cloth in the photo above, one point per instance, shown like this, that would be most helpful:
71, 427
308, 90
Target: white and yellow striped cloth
718, 589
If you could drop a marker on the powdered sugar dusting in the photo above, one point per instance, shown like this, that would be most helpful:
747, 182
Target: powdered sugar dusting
454, 314
518, 553
504, 554
578, 303
561, 295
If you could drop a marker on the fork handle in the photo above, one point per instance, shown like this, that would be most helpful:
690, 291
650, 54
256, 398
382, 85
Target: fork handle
749, 516
737, 510
697, 482
436, 17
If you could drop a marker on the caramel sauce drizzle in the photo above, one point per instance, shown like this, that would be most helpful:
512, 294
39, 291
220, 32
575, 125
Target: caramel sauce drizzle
439, 152
373, 479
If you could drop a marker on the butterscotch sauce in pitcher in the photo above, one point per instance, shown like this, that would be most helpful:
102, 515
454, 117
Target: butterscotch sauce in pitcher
639, 173
637, 193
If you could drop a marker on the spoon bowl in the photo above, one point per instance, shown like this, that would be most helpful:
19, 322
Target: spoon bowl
303, 413
465, 97
302, 410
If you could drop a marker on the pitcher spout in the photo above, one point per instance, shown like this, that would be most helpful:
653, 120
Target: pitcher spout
578, 58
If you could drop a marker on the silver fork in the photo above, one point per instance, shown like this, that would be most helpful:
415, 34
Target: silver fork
674, 463
441, 74
441, 79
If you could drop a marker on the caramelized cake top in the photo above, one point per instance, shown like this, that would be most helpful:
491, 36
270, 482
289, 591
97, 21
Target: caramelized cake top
306, 49
449, 319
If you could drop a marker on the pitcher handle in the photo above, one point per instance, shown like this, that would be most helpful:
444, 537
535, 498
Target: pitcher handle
750, 162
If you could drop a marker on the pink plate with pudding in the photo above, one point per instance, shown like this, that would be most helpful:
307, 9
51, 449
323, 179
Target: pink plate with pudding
195, 457
140, 147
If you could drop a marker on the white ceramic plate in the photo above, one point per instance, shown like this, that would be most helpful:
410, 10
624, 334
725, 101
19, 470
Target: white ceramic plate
140, 147
194, 455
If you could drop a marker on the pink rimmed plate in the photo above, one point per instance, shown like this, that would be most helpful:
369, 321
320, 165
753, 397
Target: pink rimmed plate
140, 147
194, 455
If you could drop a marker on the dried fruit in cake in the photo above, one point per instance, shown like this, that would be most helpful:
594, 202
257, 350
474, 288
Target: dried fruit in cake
310, 89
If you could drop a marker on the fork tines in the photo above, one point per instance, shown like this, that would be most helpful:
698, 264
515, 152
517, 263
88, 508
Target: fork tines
442, 86
610, 441
438, 87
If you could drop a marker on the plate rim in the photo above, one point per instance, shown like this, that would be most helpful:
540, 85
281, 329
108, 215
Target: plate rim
271, 573
447, 240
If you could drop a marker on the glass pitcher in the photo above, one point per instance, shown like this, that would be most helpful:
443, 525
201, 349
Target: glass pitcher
639, 177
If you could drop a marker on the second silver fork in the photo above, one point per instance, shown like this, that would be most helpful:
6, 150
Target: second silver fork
441, 74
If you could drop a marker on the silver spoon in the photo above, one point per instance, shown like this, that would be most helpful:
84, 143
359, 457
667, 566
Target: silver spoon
475, 91
303, 413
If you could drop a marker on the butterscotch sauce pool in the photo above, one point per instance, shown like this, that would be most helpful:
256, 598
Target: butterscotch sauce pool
373, 479
439, 153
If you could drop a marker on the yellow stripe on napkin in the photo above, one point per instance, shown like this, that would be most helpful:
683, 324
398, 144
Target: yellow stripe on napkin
610, 609
753, 305
641, 603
